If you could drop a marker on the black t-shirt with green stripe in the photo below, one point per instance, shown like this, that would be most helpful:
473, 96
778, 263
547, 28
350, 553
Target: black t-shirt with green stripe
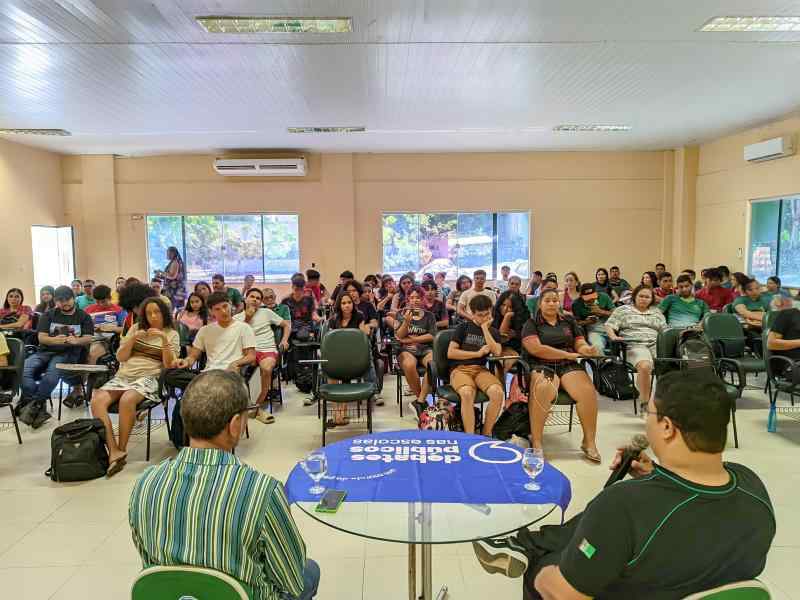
662, 537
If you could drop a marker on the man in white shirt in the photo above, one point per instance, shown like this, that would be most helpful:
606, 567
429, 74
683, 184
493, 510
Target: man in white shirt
477, 289
228, 344
261, 320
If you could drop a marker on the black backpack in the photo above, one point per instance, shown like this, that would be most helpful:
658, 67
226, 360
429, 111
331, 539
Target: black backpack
614, 381
78, 451
513, 421
694, 348
303, 373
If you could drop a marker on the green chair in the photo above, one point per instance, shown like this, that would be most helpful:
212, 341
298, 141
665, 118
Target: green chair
741, 590
777, 366
188, 583
727, 339
345, 356
16, 364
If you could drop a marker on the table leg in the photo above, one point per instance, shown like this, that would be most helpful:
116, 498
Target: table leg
412, 572
427, 574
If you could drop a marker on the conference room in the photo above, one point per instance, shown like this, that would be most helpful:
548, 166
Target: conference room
428, 299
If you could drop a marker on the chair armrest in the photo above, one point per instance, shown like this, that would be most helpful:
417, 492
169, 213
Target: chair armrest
737, 367
788, 362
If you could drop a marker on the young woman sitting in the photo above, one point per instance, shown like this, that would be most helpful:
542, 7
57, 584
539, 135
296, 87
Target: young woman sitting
194, 315
46, 301
509, 317
15, 315
150, 345
463, 283
415, 330
554, 342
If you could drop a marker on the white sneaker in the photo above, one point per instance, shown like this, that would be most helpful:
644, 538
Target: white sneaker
519, 441
308, 401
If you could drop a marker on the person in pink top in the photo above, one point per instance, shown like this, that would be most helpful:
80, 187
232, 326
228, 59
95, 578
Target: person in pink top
195, 315
571, 293
15, 314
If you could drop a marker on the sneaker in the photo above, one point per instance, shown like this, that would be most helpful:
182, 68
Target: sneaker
41, 418
28, 412
73, 399
418, 408
519, 441
308, 401
502, 556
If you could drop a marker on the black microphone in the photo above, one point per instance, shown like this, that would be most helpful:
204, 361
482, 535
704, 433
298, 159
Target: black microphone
630, 453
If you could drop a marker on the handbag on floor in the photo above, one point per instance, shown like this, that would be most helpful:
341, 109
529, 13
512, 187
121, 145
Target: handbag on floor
78, 451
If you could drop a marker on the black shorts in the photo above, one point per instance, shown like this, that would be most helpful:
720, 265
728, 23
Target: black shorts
418, 352
559, 367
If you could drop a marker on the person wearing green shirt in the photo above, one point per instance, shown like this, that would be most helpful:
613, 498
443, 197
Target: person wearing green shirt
205, 508
271, 302
683, 309
617, 283
234, 295
752, 306
87, 297
533, 302
591, 311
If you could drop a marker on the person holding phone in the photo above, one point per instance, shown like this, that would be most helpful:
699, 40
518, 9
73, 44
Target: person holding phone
591, 311
414, 332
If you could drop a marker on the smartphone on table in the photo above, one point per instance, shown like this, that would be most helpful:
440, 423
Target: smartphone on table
331, 501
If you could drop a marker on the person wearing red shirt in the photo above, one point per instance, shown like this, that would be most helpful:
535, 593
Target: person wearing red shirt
664, 288
716, 296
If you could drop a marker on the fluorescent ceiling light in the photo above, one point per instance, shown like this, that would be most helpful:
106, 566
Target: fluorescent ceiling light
35, 131
764, 24
327, 129
591, 127
223, 24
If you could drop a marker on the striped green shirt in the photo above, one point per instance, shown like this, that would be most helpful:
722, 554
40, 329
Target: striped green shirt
205, 508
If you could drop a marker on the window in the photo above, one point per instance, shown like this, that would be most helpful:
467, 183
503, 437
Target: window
775, 240
53, 256
456, 243
265, 246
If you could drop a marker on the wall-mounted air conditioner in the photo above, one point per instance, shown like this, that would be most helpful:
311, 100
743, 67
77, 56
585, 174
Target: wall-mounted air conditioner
769, 149
260, 167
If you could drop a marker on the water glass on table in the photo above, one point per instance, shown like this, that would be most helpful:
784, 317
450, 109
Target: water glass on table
315, 465
533, 464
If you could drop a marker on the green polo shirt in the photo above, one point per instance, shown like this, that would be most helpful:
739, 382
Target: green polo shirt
683, 312
762, 304
235, 296
581, 310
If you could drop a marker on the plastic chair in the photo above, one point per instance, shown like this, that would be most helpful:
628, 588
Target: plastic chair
345, 356
524, 378
741, 590
188, 583
16, 363
727, 339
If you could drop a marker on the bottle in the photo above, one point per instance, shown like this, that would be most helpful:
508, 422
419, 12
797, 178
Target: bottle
772, 419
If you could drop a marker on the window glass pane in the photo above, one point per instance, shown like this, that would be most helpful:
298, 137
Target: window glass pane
400, 243
438, 232
764, 224
281, 246
162, 232
203, 246
789, 257
241, 239
512, 243
475, 243
53, 257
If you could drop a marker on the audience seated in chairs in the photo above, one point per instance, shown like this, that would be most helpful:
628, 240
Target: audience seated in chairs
317, 289
414, 333
87, 297
64, 334
572, 286
344, 278
440, 279
15, 315
107, 317
509, 317
151, 345
603, 285
203, 290
618, 285
158, 287
534, 283
473, 341
194, 315
234, 295
302, 309
532, 303
46, 301
591, 310
435, 306
119, 283
399, 300
261, 320
714, 293
649, 280
385, 293
184, 509
248, 284
619, 545
752, 306
477, 289
640, 321
502, 283
463, 283
77, 288
659, 269
664, 288
683, 309
554, 342
774, 287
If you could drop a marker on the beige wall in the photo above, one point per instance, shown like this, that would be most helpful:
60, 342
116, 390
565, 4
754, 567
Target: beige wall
30, 194
588, 209
725, 185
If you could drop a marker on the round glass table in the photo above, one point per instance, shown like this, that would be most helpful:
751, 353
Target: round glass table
377, 510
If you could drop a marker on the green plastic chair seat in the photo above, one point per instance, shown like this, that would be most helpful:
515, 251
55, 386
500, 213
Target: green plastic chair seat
563, 399
741, 590
346, 392
172, 583
750, 364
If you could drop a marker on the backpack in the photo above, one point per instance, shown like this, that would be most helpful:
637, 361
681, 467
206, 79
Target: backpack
78, 451
513, 421
613, 380
303, 373
693, 347
177, 379
445, 417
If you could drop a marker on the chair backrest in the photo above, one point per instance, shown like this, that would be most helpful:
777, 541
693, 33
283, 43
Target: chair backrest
725, 334
667, 342
187, 583
346, 354
16, 359
440, 361
769, 319
741, 590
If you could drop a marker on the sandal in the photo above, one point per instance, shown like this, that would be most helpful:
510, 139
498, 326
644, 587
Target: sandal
592, 455
117, 465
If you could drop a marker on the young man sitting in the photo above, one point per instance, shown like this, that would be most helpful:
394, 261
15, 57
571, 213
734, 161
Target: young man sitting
473, 341
617, 283
234, 295
478, 283
64, 333
683, 309
591, 311
715, 295
502, 283
205, 508
752, 306
271, 302
158, 287
261, 321
301, 307
87, 297
107, 317
687, 523
664, 288
435, 306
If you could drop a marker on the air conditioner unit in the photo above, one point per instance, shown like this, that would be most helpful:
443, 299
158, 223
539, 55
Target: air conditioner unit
260, 167
770, 149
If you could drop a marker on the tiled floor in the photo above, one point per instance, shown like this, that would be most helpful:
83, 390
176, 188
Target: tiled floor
71, 541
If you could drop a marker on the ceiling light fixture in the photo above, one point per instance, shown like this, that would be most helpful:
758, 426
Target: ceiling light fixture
62, 132
327, 129
591, 127
229, 24
751, 24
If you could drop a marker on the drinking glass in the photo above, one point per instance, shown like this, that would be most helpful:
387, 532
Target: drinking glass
533, 464
316, 465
